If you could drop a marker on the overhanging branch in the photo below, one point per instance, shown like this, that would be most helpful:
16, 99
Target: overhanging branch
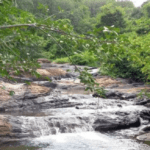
17, 25
89, 37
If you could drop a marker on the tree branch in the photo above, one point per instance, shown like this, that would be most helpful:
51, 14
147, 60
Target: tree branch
54, 30
17, 25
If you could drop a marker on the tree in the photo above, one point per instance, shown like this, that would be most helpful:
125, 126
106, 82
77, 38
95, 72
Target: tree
15, 31
111, 15
22, 32
125, 3
22, 38
137, 13
146, 9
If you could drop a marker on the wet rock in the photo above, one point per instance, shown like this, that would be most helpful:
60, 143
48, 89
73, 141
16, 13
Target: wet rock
147, 105
37, 126
53, 131
128, 95
122, 113
110, 94
47, 84
137, 84
104, 123
51, 124
16, 128
57, 124
143, 102
114, 94
63, 129
80, 96
146, 129
22, 79
77, 107
71, 75
145, 114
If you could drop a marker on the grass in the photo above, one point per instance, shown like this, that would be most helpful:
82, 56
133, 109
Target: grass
61, 60
83, 58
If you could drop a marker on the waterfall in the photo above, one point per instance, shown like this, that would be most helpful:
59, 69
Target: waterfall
43, 126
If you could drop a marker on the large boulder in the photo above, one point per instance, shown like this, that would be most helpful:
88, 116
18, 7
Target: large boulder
23, 96
104, 123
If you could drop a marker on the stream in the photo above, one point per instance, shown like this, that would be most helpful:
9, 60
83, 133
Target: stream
70, 119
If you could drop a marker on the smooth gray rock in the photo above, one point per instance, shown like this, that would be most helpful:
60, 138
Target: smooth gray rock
145, 114
104, 123
143, 102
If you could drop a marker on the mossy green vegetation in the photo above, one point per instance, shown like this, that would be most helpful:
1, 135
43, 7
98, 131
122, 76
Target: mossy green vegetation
147, 142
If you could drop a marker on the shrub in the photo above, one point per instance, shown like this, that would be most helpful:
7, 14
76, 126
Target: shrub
85, 58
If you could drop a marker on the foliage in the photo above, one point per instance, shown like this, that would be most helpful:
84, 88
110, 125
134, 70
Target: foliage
95, 5
119, 57
17, 43
85, 58
146, 10
128, 4
145, 93
90, 83
58, 29
136, 13
111, 15
61, 60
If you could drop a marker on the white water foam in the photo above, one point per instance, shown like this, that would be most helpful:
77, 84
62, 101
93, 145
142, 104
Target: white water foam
88, 141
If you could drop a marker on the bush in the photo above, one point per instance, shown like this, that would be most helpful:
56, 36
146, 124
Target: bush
127, 57
125, 69
85, 58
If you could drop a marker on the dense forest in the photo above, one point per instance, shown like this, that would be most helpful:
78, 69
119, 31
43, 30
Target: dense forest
112, 35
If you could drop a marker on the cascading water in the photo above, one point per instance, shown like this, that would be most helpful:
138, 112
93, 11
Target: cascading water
71, 128
43, 126
88, 141
67, 121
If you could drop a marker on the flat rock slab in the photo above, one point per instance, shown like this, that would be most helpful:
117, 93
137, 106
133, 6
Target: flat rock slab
51, 72
43, 60
56, 73
21, 91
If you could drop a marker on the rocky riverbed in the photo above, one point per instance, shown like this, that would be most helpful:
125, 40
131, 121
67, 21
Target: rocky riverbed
62, 108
